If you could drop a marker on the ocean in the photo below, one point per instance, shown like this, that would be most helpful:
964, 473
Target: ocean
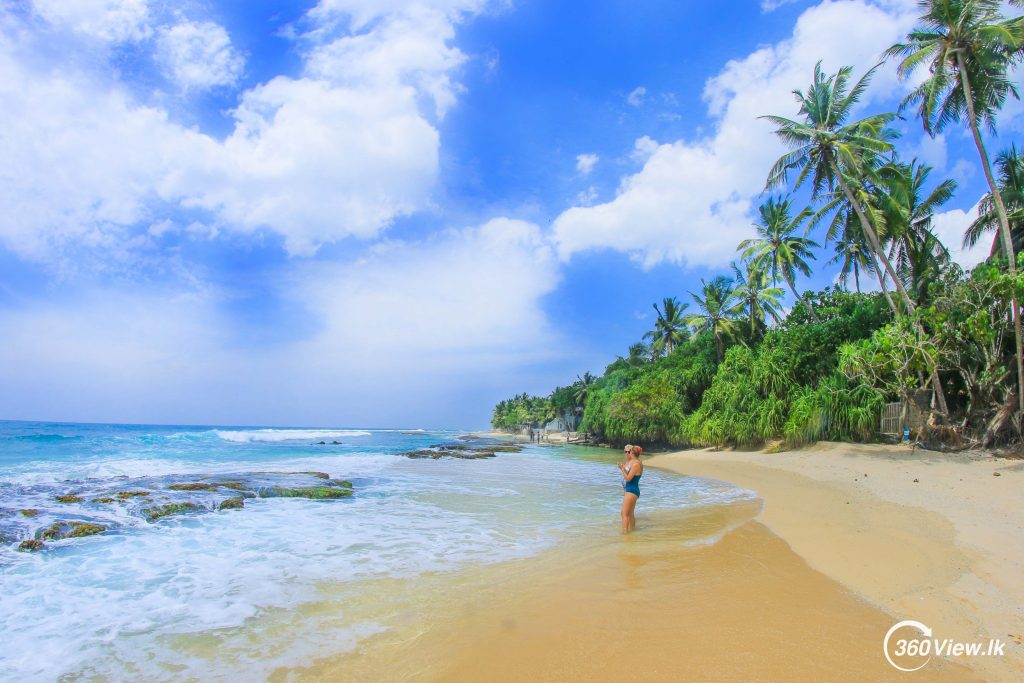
210, 593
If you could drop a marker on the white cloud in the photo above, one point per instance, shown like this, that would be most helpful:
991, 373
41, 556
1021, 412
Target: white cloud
636, 97
391, 338
772, 5
198, 55
585, 163
339, 151
692, 201
108, 20
949, 227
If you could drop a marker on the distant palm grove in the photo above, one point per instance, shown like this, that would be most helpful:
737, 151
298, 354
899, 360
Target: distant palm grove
728, 367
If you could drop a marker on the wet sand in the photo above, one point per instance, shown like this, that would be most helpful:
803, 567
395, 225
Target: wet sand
928, 536
704, 595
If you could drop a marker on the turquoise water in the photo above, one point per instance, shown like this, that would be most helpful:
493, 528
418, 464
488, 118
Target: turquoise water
116, 605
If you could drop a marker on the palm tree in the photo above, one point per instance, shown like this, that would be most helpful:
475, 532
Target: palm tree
756, 296
778, 250
850, 247
1010, 165
581, 388
669, 329
969, 47
715, 304
907, 216
832, 152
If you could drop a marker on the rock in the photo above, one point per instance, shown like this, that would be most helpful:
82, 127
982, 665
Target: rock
236, 503
103, 499
336, 443
29, 512
61, 530
31, 545
996, 474
194, 486
125, 495
318, 475
321, 443
312, 492
68, 498
168, 509
915, 481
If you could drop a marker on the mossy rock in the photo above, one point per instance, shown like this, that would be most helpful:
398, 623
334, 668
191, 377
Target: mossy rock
59, 530
318, 475
124, 495
104, 499
68, 498
312, 492
235, 485
161, 511
236, 503
31, 545
29, 512
194, 486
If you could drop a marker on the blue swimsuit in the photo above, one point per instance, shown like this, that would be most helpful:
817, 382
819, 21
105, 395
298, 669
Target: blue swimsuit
633, 485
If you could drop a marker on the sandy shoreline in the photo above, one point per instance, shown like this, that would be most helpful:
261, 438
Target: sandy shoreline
846, 545
927, 536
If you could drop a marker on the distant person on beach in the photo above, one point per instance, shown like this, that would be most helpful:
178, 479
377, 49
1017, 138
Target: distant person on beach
631, 470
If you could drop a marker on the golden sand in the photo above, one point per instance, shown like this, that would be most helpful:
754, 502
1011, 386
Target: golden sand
690, 596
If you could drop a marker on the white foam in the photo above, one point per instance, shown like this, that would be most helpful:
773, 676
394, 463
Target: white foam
275, 435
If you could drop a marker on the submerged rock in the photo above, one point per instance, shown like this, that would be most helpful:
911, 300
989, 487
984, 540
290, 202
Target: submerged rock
168, 509
125, 495
313, 492
29, 512
68, 498
61, 530
31, 545
236, 503
103, 499
469, 448
194, 486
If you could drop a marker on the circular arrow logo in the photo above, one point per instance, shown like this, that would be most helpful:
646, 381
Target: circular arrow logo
909, 647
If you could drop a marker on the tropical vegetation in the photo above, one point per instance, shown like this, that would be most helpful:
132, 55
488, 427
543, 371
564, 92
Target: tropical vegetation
731, 368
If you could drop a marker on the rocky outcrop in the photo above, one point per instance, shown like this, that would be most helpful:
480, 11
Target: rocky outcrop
465, 448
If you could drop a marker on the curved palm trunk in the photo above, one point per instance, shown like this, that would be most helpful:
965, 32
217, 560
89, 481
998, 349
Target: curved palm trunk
1004, 223
807, 304
875, 246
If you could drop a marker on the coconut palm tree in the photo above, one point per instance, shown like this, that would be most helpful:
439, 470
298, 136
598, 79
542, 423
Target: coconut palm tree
833, 153
670, 327
582, 387
968, 47
1010, 165
850, 247
755, 295
777, 249
716, 305
906, 213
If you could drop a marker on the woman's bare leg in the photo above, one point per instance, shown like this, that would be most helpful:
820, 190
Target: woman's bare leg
628, 505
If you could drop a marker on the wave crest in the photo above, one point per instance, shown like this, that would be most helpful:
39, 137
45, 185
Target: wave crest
275, 435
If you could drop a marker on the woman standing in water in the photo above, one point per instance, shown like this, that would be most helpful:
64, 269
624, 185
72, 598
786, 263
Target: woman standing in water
631, 470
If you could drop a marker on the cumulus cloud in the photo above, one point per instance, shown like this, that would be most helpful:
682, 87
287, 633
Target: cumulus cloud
636, 97
109, 20
949, 227
198, 55
692, 200
338, 151
391, 336
585, 163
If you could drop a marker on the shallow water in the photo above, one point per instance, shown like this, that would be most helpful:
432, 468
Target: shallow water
203, 595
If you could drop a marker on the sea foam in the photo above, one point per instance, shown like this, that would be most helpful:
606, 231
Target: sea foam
276, 435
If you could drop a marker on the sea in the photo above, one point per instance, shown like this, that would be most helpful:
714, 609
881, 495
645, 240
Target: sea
232, 594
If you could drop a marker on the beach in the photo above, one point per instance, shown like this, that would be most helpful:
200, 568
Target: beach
927, 536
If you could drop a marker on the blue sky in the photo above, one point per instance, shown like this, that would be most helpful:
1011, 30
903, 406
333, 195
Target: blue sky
387, 212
